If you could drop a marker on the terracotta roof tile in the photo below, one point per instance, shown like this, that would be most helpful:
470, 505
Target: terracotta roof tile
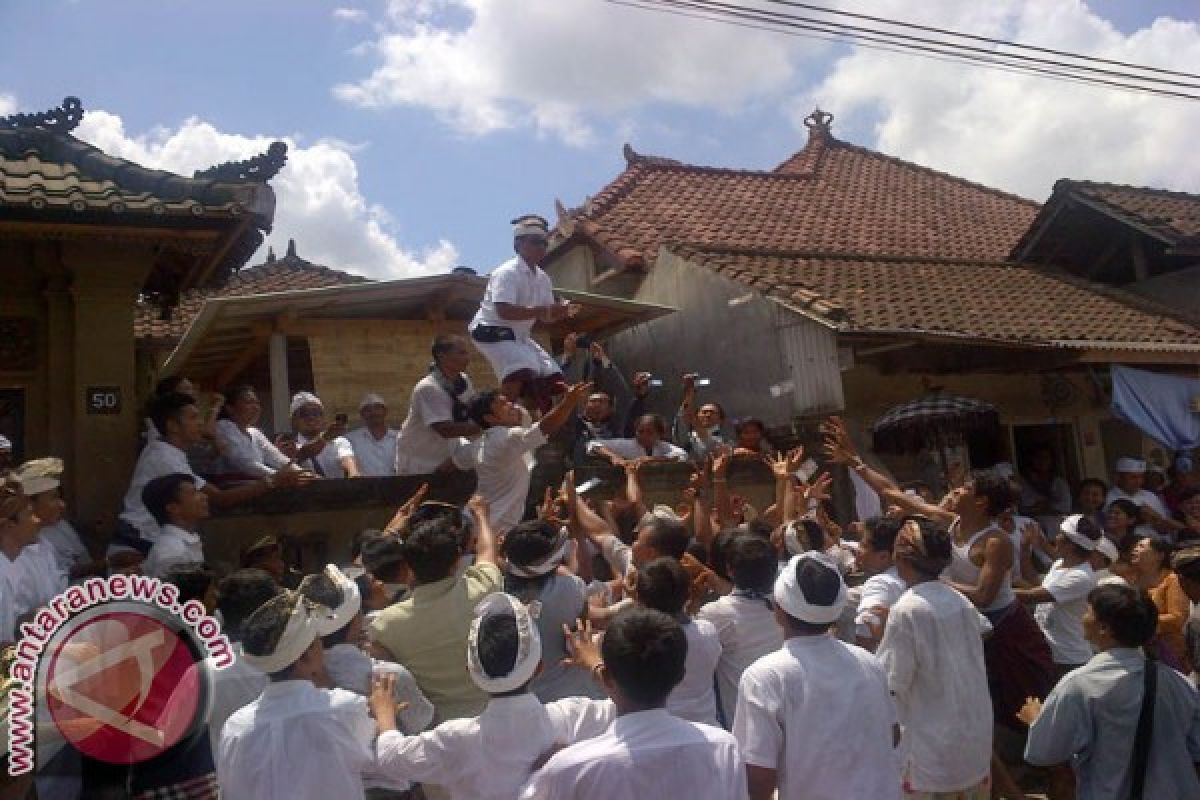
830, 197
281, 275
1000, 302
1175, 216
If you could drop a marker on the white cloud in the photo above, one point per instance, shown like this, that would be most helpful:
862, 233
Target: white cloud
8, 103
319, 203
350, 14
564, 69
557, 66
1020, 132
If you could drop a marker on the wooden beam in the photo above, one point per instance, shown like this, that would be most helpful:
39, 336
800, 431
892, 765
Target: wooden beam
1139, 357
255, 348
435, 307
1141, 267
223, 250
75, 229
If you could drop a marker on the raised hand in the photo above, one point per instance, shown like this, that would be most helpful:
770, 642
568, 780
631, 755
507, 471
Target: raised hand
720, 462
838, 447
820, 489
1030, 711
583, 647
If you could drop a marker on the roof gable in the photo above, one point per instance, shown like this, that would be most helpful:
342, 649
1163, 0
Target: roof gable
273, 275
831, 197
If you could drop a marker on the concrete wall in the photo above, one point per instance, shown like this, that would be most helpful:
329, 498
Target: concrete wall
763, 360
1019, 399
352, 357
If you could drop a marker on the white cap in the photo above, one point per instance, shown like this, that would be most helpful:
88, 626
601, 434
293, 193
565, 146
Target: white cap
5, 442
371, 399
530, 225
351, 601
40, 475
1070, 529
1134, 465
304, 625
302, 399
547, 564
791, 598
529, 644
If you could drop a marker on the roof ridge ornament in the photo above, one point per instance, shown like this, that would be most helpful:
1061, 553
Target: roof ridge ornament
63, 119
819, 121
257, 169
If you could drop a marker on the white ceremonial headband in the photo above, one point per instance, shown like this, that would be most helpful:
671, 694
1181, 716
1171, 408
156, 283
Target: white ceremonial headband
350, 605
791, 599
547, 564
1070, 529
303, 627
529, 647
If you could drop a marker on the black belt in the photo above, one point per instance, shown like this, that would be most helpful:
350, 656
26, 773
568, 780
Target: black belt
489, 334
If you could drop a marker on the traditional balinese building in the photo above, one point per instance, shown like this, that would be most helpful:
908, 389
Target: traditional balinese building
84, 237
845, 280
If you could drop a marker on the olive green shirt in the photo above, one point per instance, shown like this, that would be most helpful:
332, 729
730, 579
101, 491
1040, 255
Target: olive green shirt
427, 633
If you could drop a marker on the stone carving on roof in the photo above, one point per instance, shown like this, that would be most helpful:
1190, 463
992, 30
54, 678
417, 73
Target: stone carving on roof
819, 120
258, 169
63, 119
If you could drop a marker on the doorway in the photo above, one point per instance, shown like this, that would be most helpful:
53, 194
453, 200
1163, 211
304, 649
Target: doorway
1061, 441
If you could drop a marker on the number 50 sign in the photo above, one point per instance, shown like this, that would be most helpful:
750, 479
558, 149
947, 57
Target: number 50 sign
102, 399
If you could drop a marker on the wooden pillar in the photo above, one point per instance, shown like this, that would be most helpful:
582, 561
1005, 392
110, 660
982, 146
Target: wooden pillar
105, 287
281, 393
60, 355
1141, 268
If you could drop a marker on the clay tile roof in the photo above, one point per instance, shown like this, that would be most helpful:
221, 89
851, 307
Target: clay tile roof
273, 275
829, 197
999, 302
1173, 216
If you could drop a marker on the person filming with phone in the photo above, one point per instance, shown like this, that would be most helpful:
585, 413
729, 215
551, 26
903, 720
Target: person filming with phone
321, 448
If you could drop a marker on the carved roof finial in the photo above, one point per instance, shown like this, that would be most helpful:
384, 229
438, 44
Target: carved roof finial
63, 119
291, 251
259, 169
819, 122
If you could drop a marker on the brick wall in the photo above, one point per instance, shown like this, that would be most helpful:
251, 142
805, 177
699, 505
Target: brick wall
353, 357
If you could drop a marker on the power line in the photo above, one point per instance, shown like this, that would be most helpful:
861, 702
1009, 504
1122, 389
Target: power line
869, 38
977, 37
649, 5
926, 45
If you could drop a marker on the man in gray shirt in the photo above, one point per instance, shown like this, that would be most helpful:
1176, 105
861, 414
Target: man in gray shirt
1091, 717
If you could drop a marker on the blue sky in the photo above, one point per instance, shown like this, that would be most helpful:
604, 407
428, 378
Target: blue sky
438, 163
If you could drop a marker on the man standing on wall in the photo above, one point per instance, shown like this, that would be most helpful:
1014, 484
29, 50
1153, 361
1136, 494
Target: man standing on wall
519, 294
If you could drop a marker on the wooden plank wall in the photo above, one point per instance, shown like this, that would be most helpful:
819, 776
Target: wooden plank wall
353, 357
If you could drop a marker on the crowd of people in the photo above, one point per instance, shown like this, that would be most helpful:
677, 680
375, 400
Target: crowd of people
1004, 635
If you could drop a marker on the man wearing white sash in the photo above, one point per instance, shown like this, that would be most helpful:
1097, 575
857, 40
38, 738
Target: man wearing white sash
490, 756
296, 741
793, 703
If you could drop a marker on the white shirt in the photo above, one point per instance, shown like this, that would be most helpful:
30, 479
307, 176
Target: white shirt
9, 580
249, 452
1062, 620
39, 578
748, 631
1142, 497
883, 590
376, 457
296, 742
932, 650
501, 458
234, 687
158, 458
174, 546
420, 449
514, 283
814, 691
694, 698
351, 669
629, 449
329, 460
69, 549
490, 757
647, 754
